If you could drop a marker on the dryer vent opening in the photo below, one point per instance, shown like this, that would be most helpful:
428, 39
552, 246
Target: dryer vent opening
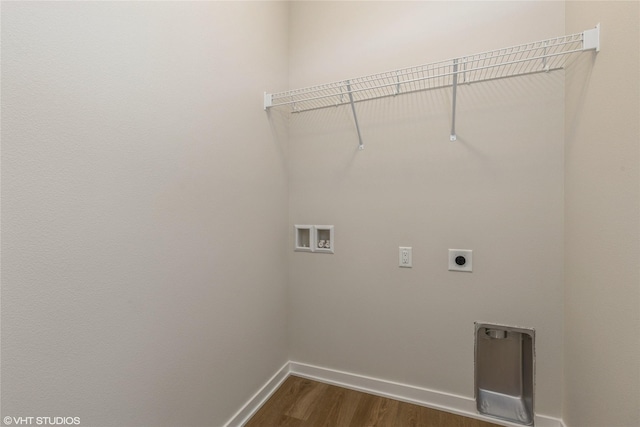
504, 372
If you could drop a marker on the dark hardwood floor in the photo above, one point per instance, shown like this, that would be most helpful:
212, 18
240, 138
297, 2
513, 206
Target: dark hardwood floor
300, 402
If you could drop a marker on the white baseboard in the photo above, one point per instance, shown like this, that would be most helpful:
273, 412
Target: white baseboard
251, 407
453, 403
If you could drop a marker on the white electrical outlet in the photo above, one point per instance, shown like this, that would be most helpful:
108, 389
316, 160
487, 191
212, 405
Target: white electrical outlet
405, 259
461, 260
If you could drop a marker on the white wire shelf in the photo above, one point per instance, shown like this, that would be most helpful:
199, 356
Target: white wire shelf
540, 56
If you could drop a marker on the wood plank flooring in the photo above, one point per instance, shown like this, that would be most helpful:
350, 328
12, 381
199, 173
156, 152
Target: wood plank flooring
300, 402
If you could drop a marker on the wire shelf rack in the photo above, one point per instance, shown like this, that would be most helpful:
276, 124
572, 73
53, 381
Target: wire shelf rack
536, 57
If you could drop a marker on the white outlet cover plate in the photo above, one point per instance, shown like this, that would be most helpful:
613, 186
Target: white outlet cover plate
467, 254
405, 257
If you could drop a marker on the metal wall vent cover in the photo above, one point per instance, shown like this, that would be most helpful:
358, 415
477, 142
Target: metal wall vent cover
504, 372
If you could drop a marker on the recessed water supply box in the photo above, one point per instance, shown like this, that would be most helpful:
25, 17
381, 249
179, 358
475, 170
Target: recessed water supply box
324, 238
504, 372
304, 238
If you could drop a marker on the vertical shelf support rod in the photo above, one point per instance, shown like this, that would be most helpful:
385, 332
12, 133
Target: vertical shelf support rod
453, 136
355, 117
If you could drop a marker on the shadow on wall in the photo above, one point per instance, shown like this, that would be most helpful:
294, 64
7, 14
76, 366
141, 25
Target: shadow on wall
279, 125
416, 126
578, 74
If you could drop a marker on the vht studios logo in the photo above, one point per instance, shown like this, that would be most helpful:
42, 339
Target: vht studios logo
41, 421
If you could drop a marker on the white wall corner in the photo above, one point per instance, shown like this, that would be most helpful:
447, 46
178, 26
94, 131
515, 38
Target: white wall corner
247, 410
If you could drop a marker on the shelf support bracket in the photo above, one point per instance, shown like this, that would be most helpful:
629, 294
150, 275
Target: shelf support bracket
268, 100
355, 116
453, 136
591, 39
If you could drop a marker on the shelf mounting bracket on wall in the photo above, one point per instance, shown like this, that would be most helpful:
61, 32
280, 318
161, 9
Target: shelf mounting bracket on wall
531, 58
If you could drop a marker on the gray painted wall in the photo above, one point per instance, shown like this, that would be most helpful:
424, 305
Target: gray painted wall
602, 233
144, 210
498, 190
